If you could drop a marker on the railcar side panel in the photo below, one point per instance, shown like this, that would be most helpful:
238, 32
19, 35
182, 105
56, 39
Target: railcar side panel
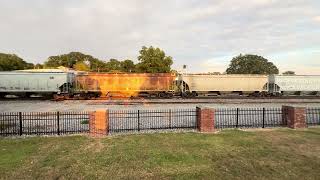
128, 84
21, 82
294, 83
226, 83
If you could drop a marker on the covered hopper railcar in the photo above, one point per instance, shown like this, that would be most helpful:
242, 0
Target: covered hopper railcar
28, 83
124, 84
294, 84
210, 85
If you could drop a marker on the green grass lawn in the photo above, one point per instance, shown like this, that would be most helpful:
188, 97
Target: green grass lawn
270, 154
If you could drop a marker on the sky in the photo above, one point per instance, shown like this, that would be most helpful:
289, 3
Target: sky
203, 34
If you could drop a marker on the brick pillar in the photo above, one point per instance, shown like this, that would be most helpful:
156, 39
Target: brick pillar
205, 119
295, 116
99, 123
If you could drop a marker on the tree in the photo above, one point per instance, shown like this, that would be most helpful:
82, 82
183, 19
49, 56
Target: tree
289, 73
10, 62
153, 60
70, 59
81, 66
114, 65
127, 66
251, 64
98, 66
38, 66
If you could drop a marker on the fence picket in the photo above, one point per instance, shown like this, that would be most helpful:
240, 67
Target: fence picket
263, 116
20, 124
58, 123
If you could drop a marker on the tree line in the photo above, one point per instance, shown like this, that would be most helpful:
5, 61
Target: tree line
9, 62
150, 60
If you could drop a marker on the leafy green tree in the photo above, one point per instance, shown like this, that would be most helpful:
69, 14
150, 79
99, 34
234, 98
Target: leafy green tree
251, 64
38, 66
153, 60
70, 59
29, 66
99, 66
127, 66
10, 62
289, 73
114, 65
81, 66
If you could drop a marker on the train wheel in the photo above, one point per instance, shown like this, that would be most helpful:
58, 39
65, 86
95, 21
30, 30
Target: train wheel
2, 95
162, 95
170, 95
27, 95
186, 95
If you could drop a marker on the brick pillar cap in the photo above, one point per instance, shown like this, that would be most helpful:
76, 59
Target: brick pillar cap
204, 107
295, 106
100, 110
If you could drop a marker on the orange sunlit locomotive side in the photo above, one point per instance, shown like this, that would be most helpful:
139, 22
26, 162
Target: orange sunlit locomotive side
125, 84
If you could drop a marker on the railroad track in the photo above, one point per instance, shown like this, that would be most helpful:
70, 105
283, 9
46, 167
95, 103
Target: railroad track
173, 98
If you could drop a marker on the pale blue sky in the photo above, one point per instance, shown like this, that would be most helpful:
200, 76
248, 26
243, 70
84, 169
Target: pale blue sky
204, 34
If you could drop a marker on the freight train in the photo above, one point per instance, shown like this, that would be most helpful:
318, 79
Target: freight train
161, 85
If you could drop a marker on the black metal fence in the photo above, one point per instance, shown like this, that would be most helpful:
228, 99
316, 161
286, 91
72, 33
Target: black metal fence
43, 123
145, 120
313, 116
249, 118
56, 123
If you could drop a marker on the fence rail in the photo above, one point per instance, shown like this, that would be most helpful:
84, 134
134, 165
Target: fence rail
249, 118
142, 120
43, 123
313, 116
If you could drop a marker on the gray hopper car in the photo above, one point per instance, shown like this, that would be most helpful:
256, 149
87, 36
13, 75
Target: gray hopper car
28, 83
294, 84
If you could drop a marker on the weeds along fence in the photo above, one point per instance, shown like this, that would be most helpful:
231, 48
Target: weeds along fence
120, 121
